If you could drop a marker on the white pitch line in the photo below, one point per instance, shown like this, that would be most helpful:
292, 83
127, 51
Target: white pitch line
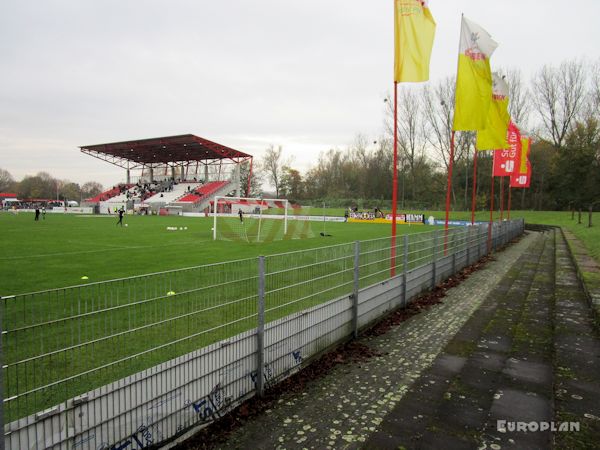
41, 255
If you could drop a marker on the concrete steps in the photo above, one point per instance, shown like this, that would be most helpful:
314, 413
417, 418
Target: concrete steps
577, 357
528, 357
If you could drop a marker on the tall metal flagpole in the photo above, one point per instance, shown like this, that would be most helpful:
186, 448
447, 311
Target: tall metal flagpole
474, 197
395, 181
501, 198
491, 213
509, 200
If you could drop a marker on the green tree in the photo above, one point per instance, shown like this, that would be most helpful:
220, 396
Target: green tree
91, 189
255, 178
292, 186
41, 185
575, 174
70, 191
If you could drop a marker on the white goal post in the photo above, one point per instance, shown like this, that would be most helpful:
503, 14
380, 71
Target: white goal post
251, 208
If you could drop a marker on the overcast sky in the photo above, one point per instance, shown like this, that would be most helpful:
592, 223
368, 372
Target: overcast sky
308, 75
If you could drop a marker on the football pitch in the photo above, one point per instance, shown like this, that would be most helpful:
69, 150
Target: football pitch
60, 250
64, 342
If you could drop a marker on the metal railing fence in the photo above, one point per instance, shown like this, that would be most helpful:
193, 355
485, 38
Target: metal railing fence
59, 345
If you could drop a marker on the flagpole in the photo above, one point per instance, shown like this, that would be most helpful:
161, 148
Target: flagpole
509, 198
448, 190
474, 199
491, 213
501, 198
394, 181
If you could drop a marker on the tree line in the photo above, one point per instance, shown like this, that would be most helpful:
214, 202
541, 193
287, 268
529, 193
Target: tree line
559, 107
44, 186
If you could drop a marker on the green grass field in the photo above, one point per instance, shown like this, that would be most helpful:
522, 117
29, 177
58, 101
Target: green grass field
58, 251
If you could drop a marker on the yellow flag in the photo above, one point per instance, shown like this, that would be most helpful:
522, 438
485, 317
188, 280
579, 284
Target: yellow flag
524, 159
414, 29
474, 78
494, 136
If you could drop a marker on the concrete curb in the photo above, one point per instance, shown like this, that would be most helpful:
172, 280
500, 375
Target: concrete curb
590, 287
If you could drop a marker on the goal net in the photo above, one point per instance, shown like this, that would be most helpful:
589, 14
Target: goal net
256, 220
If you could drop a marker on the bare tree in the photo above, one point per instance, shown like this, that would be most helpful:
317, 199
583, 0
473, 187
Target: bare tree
519, 104
438, 107
6, 180
272, 165
559, 95
411, 135
594, 94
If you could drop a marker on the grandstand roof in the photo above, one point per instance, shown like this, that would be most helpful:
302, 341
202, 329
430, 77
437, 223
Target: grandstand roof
167, 150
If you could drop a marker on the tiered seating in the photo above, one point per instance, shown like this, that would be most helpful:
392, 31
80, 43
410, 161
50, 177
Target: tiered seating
178, 191
123, 197
203, 191
106, 195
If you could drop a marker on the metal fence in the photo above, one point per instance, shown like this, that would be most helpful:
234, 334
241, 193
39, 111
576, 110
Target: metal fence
139, 361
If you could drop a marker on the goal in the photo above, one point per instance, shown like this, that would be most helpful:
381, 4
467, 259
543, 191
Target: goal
258, 220
247, 219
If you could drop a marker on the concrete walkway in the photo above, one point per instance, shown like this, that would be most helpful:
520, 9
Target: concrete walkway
513, 342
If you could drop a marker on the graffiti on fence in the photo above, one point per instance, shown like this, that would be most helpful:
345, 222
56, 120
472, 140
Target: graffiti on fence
143, 437
267, 376
210, 407
297, 354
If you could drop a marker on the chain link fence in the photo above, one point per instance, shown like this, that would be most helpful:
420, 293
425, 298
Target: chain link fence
145, 359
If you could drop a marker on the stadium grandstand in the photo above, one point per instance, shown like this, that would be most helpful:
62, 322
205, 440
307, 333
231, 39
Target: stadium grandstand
168, 173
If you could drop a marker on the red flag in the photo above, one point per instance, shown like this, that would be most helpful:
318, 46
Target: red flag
506, 160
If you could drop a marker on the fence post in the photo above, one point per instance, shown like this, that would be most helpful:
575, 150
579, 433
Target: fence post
433, 263
453, 254
2, 303
468, 245
405, 270
590, 217
355, 290
260, 330
477, 245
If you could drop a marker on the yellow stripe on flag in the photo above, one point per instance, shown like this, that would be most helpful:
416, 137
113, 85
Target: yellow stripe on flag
525, 147
414, 30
